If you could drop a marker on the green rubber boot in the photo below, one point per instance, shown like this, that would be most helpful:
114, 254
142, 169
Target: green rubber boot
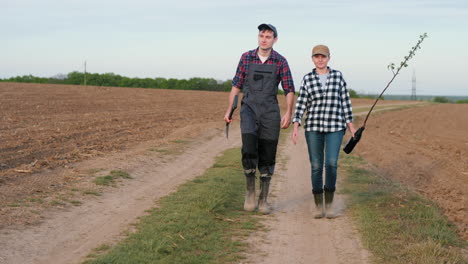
328, 205
249, 204
263, 205
318, 199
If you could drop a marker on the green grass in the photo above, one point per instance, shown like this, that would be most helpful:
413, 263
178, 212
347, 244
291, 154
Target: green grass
159, 150
103, 247
110, 179
398, 225
57, 203
91, 192
76, 202
99, 251
93, 171
104, 180
180, 141
202, 222
120, 174
36, 200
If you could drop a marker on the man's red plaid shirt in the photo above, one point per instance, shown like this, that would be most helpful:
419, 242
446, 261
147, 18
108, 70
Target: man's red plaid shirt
282, 70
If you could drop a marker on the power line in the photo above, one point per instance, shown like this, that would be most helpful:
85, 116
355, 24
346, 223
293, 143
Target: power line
85, 73
413, 89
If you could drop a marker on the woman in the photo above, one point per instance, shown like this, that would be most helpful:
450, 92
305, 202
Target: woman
324, 94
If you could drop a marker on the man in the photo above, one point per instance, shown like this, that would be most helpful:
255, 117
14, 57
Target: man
258, 74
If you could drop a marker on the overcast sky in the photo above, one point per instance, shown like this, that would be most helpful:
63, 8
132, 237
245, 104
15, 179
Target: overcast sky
205, 38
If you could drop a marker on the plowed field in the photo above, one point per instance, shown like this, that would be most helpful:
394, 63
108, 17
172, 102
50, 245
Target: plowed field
425, 148
43, 127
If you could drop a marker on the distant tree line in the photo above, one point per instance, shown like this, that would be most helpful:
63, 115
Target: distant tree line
353, 94
111, 79
442, 99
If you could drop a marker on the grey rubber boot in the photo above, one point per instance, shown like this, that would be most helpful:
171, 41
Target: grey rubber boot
328, 205
263, 205
318, 199
249, 204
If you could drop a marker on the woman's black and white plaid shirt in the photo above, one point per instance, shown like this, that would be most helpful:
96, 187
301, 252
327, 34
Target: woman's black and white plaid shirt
328, 108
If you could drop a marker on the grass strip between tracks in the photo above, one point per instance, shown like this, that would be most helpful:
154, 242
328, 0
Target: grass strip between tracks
202, 222
398, 225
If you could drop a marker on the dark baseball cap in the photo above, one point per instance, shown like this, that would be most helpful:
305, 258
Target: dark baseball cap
269, 27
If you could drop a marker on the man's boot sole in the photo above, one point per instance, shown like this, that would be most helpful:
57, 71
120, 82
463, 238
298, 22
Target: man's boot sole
264, 209
249, 208
249, 204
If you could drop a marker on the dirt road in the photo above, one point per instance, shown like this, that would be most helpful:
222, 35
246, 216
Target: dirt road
295, 236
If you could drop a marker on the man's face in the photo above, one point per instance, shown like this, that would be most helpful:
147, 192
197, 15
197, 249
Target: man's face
320, 61
266, 39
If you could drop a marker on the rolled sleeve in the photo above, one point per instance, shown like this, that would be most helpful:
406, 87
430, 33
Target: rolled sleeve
286, 78
238, 80
301, 103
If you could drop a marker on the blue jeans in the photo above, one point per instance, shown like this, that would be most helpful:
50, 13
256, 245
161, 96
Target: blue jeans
317, 143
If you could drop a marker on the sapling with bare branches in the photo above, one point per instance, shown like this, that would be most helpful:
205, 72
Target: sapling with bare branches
357, 136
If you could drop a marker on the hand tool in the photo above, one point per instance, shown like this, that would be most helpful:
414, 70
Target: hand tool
234, 106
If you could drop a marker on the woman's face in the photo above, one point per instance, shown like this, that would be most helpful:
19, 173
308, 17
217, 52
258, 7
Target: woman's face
320, 61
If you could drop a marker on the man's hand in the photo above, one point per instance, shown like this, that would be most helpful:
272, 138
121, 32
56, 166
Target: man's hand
226, 117
234, 91
286, 120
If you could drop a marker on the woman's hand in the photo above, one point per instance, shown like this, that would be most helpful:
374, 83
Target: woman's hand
295, 132
351, 129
